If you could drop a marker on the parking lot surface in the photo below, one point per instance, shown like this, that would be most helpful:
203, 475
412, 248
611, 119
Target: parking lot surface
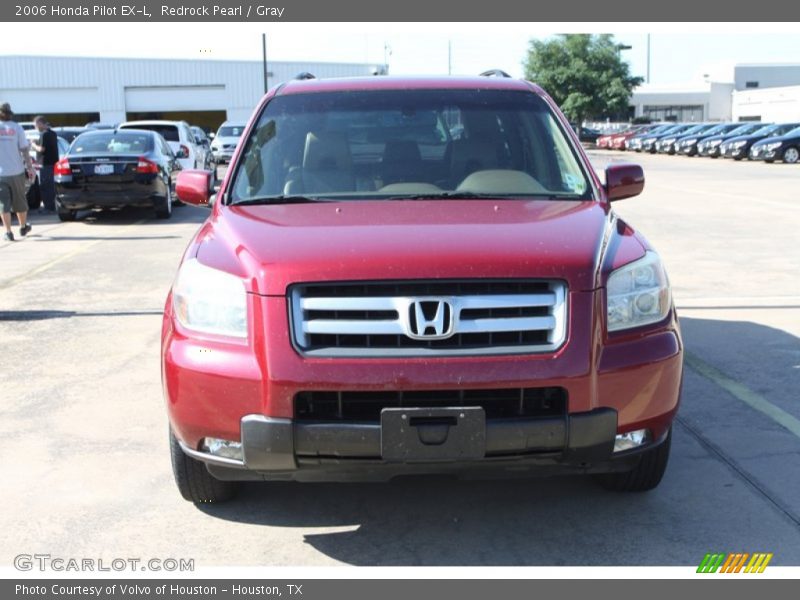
84, 430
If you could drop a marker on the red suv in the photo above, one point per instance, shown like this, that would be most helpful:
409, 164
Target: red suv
409, 275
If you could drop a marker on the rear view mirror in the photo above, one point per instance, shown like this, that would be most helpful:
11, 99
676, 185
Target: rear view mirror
194, 187
623, 180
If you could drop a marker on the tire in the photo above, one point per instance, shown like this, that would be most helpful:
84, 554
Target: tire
791, 155
64, 214
164, 206
646, 475
194, 481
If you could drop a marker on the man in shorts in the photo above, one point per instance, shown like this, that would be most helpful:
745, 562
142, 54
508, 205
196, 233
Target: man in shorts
15, 165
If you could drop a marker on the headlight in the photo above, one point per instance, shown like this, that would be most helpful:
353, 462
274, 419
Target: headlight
689, 142
739, 144
638, 294
773, 145
714, 142
210, 301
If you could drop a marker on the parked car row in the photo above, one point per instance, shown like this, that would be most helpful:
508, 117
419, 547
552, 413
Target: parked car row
769, 142
134, 163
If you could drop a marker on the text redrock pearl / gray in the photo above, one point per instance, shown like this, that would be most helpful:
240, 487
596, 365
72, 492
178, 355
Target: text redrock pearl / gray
242, 10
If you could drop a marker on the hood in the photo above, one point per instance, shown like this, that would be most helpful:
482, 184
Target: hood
220, 140
743, 138
773, 139
272, 247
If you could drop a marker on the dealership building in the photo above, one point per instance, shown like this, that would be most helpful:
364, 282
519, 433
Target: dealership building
75, 91
751, 92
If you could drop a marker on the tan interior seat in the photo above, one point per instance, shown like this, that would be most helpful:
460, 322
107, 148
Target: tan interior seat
327, 165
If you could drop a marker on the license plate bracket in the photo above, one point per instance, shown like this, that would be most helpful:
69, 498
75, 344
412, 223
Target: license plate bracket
440, 434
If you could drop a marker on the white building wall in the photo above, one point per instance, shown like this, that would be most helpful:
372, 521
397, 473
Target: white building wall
68, 84
653, 97
766, 75
719, 102
775, 105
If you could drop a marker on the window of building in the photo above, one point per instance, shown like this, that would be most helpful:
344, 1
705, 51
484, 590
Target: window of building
751, 84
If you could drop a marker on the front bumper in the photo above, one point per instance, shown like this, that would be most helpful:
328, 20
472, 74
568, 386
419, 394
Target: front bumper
280, 449
246, 392
731, 152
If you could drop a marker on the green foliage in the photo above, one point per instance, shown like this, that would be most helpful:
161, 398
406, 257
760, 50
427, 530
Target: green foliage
583, 73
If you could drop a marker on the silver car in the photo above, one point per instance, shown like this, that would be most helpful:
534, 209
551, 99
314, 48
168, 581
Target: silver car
226, 140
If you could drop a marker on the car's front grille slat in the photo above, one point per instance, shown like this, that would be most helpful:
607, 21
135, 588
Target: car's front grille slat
429, 318
366, 407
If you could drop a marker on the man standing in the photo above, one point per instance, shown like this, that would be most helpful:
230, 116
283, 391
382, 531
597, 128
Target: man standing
47, 155
15, 162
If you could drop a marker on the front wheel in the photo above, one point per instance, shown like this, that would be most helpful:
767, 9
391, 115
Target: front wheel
791, 155
646, 475
194, 481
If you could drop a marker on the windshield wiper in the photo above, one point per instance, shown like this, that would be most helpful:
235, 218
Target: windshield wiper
277, 200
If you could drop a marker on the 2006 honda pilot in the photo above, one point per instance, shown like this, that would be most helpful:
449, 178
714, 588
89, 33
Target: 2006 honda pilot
408, 275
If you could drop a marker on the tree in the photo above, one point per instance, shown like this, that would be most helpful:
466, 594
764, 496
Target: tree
583, 73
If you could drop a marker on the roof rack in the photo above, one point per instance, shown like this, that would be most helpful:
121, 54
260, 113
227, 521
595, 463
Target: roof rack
305, 75
495, 73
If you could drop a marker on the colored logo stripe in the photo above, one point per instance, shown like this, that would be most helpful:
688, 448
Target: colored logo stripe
734, 562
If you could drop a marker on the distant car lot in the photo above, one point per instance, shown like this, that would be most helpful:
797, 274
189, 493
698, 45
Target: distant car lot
769, 142
733, 483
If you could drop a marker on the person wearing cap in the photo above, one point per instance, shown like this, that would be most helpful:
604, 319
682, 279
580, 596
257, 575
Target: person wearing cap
47, 156
15, 164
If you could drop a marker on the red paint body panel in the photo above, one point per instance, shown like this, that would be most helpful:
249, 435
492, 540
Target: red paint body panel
210, 383
275, 246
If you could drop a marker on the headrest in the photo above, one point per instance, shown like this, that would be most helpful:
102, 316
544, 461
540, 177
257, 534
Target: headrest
326, 151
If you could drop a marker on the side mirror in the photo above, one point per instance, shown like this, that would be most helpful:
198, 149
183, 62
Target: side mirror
183, 152
194, 187
624, 180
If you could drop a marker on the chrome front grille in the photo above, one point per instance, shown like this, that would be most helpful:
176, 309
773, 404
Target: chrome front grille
434, 318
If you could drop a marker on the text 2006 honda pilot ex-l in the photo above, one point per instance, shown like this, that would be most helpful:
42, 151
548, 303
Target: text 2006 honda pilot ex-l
406, 276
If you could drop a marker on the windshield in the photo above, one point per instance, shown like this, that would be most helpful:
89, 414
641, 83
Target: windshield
232, 131
795, 131
718, 129
169, 132
121, 142
408, 143
745, 129
697, 129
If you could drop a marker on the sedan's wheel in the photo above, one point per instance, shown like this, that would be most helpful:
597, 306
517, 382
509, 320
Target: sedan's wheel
164, 206
64, 214
645, 476
791, 155
194, 481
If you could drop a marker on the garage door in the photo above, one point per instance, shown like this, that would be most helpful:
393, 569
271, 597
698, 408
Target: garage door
174, 98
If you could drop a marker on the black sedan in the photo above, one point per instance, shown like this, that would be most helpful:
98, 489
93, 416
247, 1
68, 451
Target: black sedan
738, 147
690, 145
111, 168
784, 147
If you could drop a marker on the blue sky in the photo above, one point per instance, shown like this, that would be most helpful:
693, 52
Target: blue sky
679, 52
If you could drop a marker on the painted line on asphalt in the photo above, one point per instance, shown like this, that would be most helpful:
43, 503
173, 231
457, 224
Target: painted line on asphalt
744, 394
52, 263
